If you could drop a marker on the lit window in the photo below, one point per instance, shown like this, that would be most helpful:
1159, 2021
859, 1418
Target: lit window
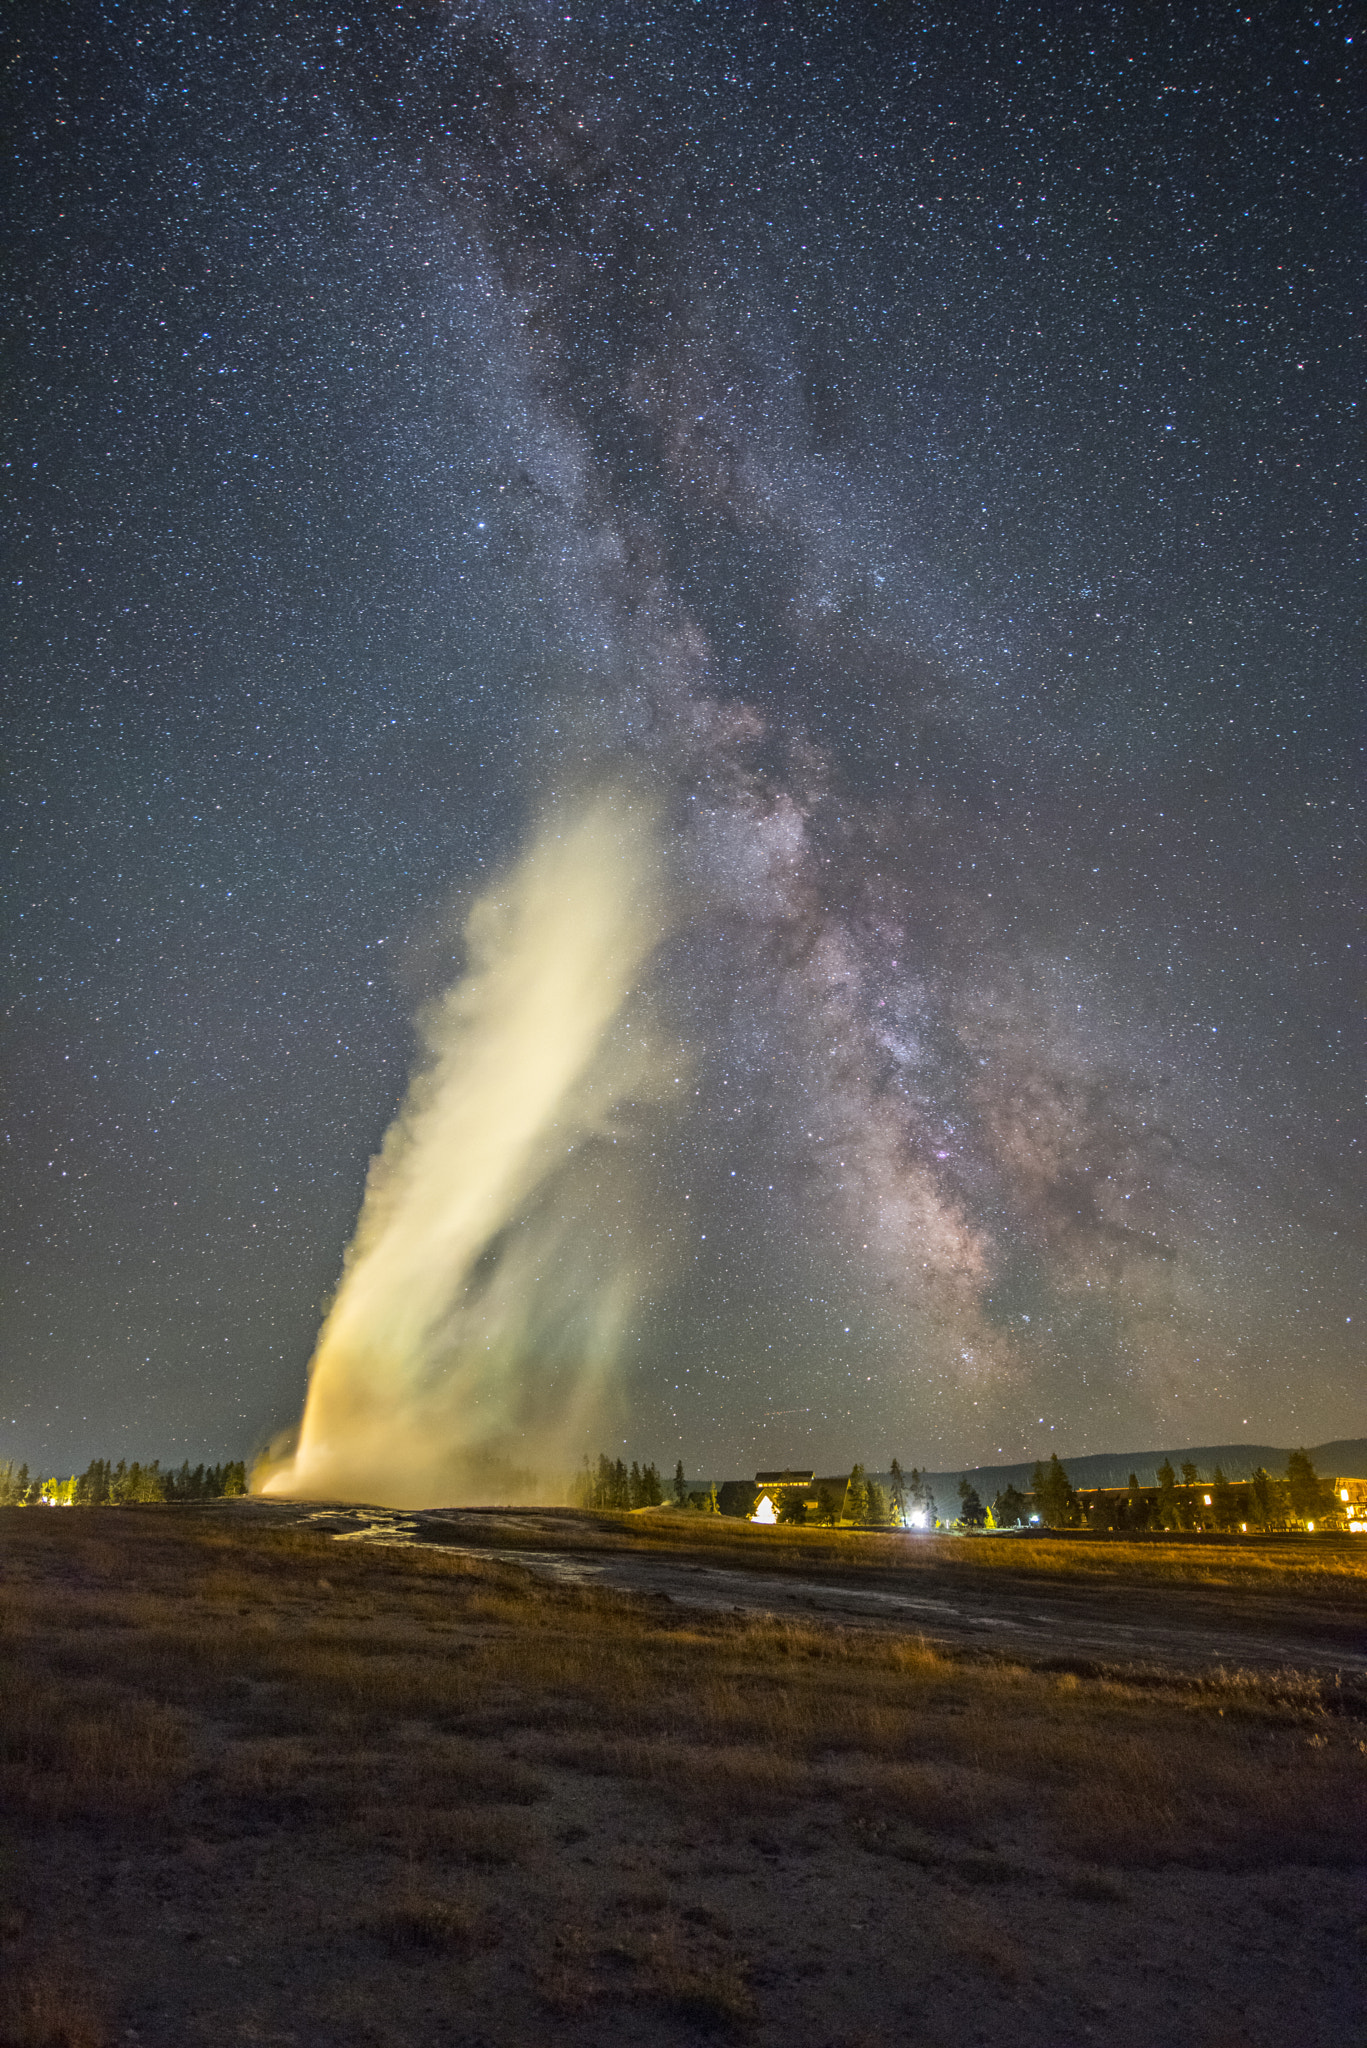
1343, 1493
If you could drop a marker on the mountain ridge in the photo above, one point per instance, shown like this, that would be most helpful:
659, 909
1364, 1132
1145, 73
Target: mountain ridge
1346, 1455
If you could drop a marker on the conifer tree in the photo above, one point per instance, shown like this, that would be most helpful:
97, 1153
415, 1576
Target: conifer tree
680, 1485
1264, 1493
1010, 1508
898, 1500
856, 1498
1307, 1496
1222, 1501
1055, 1499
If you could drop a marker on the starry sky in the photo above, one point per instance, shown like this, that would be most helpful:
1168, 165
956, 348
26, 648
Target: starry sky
923, 445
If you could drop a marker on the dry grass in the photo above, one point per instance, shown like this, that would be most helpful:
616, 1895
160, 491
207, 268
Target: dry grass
682, 1968
47, 2008
478, 1681
1200, 1560
440, 1722
415, 1920
95, 1749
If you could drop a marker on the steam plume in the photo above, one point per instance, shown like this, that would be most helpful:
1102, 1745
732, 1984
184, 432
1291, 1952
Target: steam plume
497, 1257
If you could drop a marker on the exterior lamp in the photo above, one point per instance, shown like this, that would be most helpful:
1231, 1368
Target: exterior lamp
1206, 1498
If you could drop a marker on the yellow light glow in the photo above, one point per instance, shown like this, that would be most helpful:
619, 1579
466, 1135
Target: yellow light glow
1206, 1498
1343, 1493
764, 1510
1311, 1527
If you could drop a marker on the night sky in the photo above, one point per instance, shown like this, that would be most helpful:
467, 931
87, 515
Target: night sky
921, 447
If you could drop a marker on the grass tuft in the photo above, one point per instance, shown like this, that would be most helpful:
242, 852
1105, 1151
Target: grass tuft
45, 2009
416, 1922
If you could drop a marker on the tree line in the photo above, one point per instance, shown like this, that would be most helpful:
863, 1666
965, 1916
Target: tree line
1299, 1501
105, 1485
610, 1484
857, 1502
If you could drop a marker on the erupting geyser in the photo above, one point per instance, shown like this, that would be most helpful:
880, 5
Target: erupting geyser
501, 1243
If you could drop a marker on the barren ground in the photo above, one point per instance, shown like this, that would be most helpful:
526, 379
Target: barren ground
276, 1774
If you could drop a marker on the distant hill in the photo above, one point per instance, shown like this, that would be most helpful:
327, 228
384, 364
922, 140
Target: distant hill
1347, 1455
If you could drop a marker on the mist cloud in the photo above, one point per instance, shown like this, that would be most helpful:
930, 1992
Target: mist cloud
505, 1236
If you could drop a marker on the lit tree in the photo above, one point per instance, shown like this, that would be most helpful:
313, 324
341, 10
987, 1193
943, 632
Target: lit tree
920, 1508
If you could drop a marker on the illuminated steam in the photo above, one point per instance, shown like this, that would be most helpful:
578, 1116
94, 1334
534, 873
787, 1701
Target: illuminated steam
506, 1232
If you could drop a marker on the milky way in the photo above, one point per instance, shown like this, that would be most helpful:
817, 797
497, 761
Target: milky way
910, 458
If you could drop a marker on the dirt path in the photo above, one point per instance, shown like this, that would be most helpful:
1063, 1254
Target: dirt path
1033, 1618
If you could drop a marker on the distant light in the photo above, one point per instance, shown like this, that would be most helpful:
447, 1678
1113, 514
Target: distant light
1343, 1493
764, 1510
919, 1518
1206, 1498
1311, 1527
